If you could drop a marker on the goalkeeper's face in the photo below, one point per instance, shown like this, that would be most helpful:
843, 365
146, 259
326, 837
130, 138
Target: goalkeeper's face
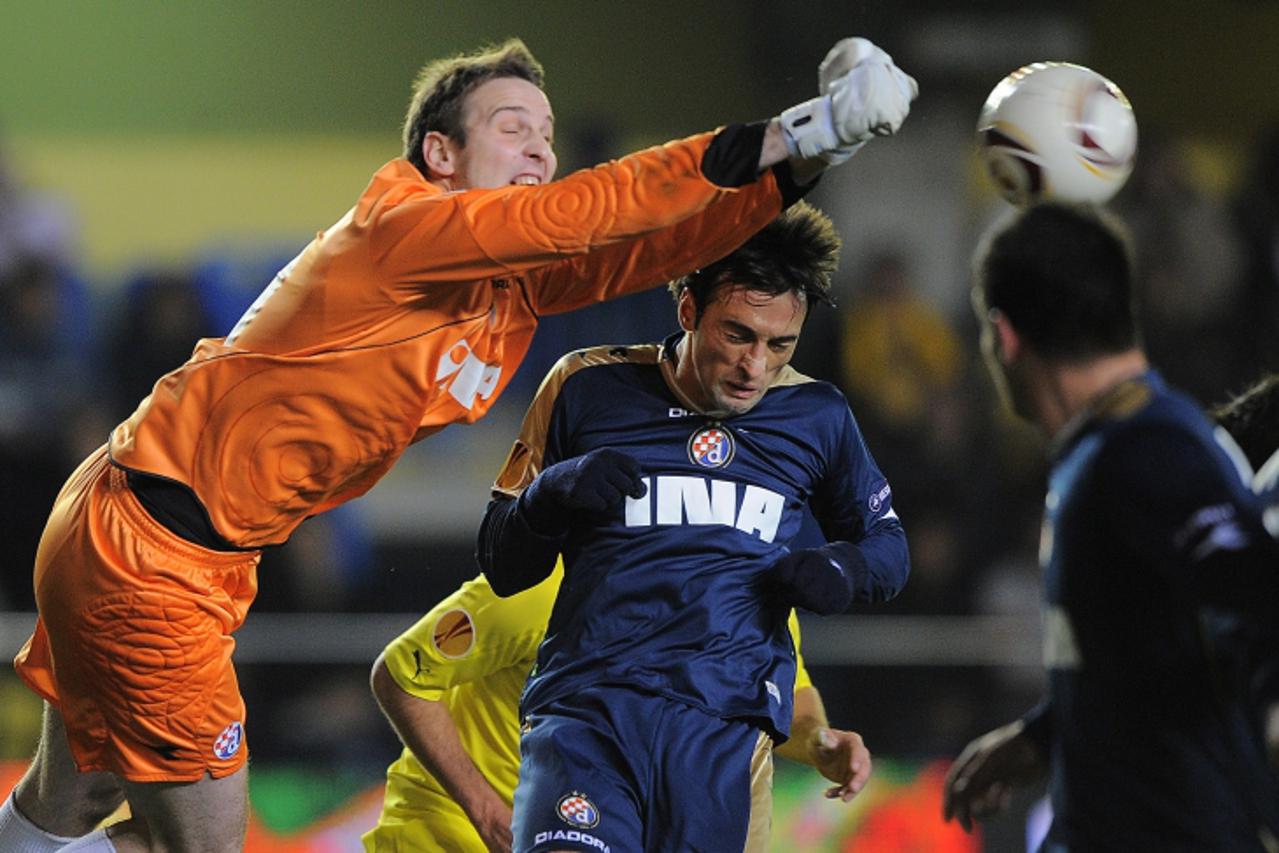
731, 355
509, 137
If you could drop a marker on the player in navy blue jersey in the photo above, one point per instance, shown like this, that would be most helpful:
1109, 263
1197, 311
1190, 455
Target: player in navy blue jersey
674, 477
1151, 535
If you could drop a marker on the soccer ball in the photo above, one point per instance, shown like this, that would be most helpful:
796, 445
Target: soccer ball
1055, 130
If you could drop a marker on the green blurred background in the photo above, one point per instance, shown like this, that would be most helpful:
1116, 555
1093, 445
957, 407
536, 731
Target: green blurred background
171, 124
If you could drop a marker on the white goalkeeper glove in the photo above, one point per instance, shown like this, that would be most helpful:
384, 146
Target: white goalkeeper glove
846, 54
863, 95
842, 58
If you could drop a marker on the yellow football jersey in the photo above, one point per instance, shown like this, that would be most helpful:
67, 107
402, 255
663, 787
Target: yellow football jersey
473, 651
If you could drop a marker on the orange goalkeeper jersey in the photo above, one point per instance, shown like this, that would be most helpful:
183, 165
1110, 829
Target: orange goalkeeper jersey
411, 313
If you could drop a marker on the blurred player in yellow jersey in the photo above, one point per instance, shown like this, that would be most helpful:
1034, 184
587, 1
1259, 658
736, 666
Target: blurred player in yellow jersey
450, 686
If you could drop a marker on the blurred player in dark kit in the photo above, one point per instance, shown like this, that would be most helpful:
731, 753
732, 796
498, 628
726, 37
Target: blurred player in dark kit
1151, 532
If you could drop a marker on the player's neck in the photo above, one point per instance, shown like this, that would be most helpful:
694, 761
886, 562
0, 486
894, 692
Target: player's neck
1072, 389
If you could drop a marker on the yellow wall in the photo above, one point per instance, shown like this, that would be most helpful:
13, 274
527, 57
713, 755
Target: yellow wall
160, 199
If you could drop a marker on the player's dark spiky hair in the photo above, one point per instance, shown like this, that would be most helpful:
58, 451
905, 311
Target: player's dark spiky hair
441, 87
798, 251
1062, 274
1252, 419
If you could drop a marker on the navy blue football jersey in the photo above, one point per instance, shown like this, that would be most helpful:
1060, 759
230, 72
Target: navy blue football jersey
668, 593
1150, 534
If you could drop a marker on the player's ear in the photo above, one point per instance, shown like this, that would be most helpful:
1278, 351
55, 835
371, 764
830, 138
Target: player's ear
439, 154
686, 310
1007, 341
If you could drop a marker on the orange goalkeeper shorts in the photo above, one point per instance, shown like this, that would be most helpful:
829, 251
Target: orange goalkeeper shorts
133, 642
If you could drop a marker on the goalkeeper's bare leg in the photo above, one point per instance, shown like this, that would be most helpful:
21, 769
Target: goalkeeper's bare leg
205, 815
54, 796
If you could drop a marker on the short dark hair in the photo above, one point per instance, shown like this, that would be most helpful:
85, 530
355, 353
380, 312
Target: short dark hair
441, 87
1252, 419
1062, 275
798, 251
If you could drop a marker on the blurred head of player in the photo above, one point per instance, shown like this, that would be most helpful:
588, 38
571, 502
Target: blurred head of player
1052, 287
481, 120
743, 314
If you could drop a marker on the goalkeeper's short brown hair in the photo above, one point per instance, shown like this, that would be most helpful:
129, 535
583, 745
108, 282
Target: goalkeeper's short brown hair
441, 87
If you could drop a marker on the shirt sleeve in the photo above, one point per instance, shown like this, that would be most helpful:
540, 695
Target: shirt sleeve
487, 233
854, 504
470, 635
657, 257
802, 678
542, 433
1191, 518
510, 553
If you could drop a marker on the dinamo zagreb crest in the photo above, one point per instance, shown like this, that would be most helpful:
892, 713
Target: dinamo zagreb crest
711, 447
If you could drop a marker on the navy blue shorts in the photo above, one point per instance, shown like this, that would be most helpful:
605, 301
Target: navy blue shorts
617, 770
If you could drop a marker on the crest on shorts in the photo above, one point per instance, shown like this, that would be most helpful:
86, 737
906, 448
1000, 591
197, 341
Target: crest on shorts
575, 810
711, 447
454, 634
228, 743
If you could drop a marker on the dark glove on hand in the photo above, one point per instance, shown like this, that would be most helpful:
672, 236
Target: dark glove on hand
818, 579
590, 483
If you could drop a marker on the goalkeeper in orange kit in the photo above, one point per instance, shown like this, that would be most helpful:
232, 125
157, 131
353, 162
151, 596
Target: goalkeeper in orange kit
411, 312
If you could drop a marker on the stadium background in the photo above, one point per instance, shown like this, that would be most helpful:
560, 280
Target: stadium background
158, 163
